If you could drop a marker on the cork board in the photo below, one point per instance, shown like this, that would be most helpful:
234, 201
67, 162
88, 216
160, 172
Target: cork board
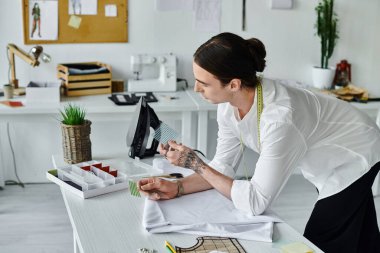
93, 28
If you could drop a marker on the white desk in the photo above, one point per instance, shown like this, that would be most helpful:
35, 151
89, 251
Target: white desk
113, 223
36, 134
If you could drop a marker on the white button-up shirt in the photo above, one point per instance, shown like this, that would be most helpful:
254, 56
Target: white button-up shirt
331, 141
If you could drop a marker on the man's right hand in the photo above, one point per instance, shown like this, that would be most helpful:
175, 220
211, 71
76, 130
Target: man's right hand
156, 188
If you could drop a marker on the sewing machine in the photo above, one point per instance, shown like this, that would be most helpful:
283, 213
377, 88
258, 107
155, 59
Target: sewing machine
153, 72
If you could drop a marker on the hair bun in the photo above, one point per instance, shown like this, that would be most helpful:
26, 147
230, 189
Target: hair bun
258, 52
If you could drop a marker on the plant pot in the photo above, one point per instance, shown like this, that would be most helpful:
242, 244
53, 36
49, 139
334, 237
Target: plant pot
323, 78
76, 142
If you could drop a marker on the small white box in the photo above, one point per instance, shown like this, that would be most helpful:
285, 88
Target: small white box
45, 93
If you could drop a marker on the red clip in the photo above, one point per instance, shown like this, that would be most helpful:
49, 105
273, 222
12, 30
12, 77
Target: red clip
113, 173
105, 169
86, 168
97, 165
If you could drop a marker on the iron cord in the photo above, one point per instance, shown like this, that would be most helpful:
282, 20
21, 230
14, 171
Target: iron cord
13, 182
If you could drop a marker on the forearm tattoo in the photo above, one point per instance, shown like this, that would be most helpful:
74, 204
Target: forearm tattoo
188, 159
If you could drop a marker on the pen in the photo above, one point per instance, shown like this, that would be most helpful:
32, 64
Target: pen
169, 247
169, 97
171, 175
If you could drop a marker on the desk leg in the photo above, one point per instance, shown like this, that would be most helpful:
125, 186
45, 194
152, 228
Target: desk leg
187, 138
202, 131
3, 136
76, 246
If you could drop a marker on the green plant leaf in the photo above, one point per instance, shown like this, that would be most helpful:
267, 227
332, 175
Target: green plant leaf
73, 115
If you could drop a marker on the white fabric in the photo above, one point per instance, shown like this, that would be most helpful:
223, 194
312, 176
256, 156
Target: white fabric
206, 213
332, 142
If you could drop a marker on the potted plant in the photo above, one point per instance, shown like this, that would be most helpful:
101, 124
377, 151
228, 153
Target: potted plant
76, 131
327, 31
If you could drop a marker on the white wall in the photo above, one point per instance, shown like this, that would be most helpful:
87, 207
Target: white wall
288, 35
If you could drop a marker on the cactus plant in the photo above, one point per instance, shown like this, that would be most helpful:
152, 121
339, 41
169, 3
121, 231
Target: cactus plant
326, 26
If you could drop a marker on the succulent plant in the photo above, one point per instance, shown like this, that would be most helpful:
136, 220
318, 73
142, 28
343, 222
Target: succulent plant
73, 115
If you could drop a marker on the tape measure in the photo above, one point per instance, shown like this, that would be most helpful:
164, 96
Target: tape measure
259, 102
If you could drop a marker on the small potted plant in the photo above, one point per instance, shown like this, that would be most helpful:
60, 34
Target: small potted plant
76, 131
327, 31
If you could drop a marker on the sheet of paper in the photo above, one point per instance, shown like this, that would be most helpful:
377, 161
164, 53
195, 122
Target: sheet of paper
12, 103
83, 7
43, 19
74, 21
110, 10
174, 5
207, 15
296, 247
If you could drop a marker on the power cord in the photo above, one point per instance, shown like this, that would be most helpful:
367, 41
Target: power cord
200, 152
183, 80
13, 182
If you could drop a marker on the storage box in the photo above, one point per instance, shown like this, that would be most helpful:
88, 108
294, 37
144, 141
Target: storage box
117, 86
43, 93
88, 78
89, 179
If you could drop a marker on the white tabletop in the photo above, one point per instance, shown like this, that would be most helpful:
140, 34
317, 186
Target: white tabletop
113, 223
101, 104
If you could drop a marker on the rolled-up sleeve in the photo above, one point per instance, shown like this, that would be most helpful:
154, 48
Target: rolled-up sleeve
282, 147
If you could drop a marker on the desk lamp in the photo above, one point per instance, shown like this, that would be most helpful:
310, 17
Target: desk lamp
32, 58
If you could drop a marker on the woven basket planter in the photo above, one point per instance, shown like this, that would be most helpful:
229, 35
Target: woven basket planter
76, 142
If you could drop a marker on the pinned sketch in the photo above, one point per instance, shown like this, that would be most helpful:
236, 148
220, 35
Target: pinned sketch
207, 15
43, 18
83, 7
110, 10
74, 21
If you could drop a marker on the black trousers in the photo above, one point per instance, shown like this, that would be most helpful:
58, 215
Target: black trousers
346, 222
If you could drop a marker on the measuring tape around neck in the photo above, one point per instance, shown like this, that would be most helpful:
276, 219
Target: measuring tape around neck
259, 103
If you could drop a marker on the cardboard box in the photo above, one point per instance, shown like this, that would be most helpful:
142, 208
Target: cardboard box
88, 78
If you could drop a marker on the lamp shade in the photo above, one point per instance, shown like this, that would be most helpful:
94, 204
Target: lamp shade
45, 57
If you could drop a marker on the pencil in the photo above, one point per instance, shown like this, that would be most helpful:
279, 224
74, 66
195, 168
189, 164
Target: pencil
170, 247
170, 251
